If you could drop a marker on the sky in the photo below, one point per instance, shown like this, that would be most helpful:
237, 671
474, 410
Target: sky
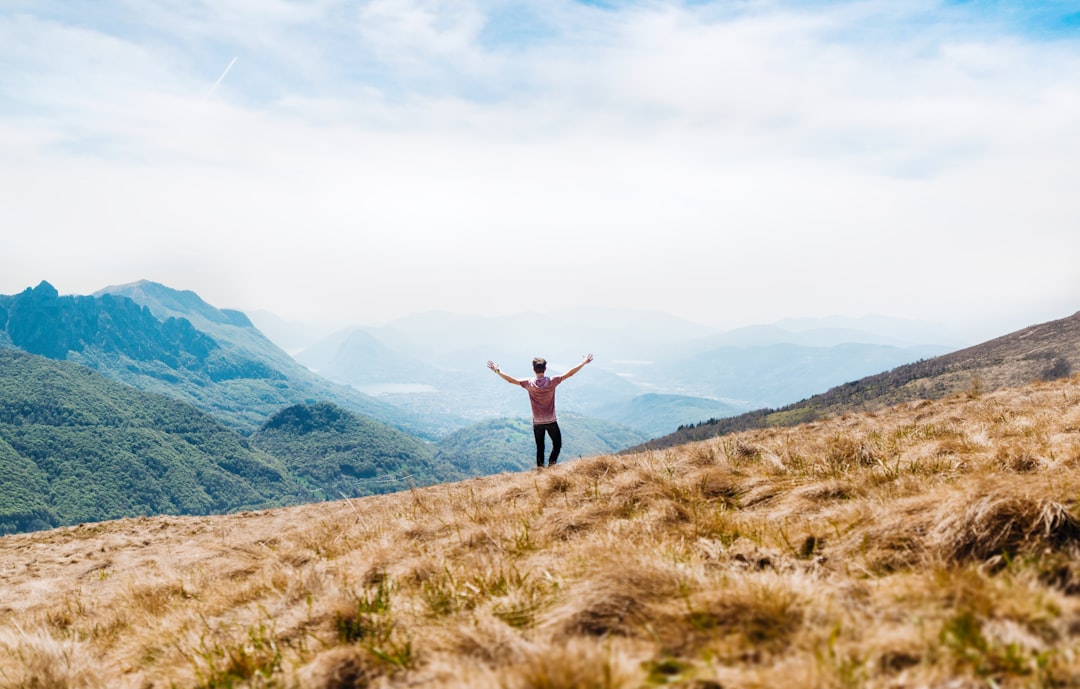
733, 162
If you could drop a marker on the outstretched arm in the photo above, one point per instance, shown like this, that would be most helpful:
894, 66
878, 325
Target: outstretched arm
587, 359
509, 379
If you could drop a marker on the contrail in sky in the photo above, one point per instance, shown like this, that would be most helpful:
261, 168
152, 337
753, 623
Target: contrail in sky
221, 78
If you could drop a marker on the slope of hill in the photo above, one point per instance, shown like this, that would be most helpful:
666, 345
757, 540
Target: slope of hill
339, 454
1041, 352
181, 347
508, 444
75, 446
933, 544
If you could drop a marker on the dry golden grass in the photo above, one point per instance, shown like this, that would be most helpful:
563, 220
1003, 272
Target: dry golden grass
935, 544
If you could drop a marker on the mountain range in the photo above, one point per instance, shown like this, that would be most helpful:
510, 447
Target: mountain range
172, 342
424, 374
142, 399
653, 372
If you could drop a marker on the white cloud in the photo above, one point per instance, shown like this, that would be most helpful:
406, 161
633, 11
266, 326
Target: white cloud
394, 156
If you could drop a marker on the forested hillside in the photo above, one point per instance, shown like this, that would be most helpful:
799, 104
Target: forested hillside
338, 454
75, 447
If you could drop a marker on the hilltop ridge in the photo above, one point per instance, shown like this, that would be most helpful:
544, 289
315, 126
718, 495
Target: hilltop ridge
166, 302
1046, 351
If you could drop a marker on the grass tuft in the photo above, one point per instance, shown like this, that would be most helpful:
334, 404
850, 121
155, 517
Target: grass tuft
1000, 524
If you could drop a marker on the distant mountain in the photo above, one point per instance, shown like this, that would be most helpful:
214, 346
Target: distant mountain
172, 342
508, 445
76, 446
776, 374
338, 454
1047, 351
872, 329
291, 336
765, 335
358, 357
655, 414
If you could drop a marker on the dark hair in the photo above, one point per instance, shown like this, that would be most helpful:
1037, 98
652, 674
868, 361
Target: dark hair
539, 364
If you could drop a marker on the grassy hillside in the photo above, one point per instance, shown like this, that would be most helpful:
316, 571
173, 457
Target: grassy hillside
508, 444
75, 446
933, 544
339, 454
1047, 351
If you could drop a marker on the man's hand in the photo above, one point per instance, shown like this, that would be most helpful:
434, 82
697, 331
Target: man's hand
587, 359
509, 379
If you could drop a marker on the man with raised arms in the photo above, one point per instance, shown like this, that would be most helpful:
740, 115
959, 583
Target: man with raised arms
541, 391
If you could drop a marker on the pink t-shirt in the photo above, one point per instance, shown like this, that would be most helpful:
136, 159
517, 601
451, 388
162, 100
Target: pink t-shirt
542, 397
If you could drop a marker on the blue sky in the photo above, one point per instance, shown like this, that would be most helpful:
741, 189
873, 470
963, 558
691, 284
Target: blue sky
733, 162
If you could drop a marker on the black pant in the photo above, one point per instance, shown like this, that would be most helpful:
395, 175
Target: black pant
551, 429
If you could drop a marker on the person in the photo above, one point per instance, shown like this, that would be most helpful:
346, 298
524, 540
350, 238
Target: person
541, 391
